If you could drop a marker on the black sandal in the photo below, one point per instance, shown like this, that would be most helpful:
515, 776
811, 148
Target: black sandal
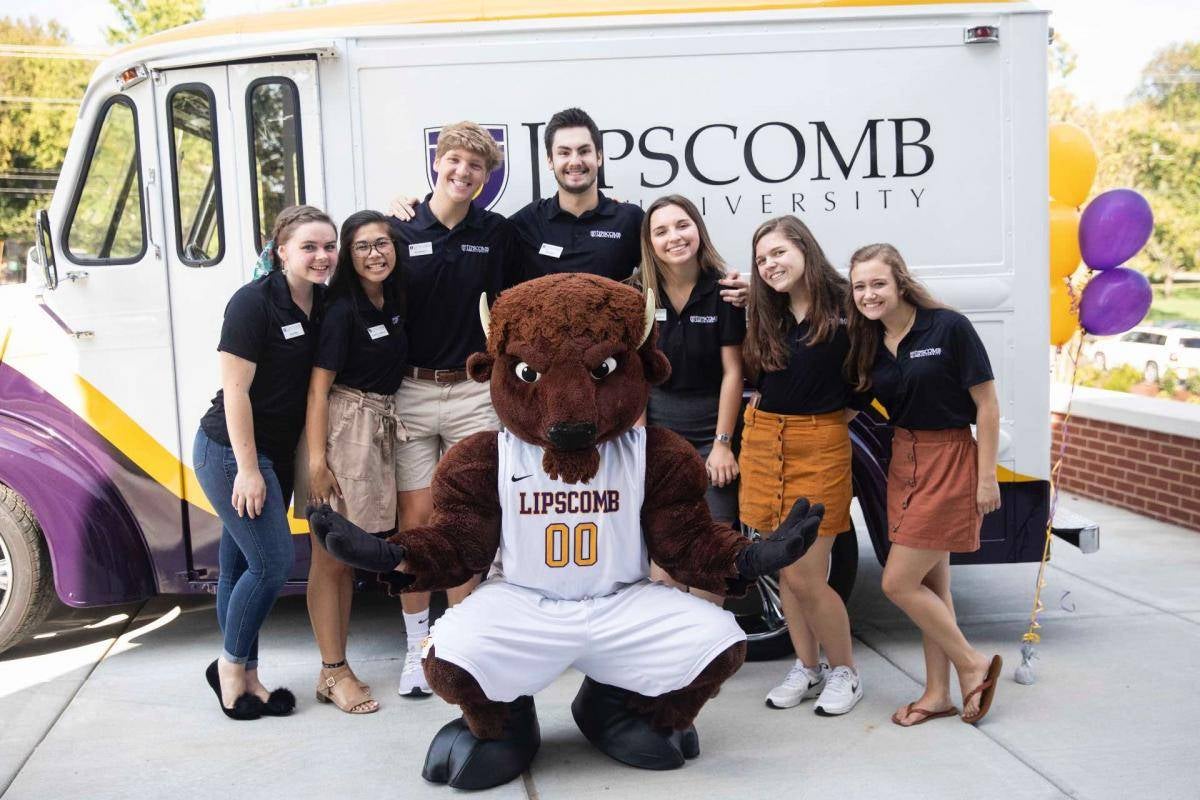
247, 706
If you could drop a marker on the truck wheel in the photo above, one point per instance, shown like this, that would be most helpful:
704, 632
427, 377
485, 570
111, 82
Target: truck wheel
26, 580
760, 612
1098, 362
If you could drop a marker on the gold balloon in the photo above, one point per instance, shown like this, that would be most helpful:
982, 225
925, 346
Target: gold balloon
1064, 240
1064, 319
1072, 163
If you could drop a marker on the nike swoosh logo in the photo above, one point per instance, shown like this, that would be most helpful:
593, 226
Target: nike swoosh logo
423, 621
514, 478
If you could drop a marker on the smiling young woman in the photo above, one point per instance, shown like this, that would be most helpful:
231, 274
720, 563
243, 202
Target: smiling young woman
352, 429
244, 452
927, 366
796, 444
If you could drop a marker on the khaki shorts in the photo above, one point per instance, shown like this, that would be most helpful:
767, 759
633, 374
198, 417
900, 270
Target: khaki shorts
438, 416
360, 450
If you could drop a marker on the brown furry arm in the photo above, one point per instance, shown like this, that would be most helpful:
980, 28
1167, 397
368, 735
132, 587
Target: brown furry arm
462, 538
682, 537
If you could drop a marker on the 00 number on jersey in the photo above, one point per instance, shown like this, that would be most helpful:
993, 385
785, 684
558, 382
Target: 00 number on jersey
562, 547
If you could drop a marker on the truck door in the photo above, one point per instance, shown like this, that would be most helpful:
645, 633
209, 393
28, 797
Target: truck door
241, 139
111, 307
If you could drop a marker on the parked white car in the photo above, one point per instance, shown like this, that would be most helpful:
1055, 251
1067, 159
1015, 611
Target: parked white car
1153, 350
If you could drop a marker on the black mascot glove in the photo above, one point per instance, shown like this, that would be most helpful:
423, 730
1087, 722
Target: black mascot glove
349, 543
787, 544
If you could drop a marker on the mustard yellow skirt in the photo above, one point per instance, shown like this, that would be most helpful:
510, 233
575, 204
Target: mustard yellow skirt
788, 456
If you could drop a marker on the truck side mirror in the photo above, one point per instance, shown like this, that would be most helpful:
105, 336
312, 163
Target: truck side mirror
44, 250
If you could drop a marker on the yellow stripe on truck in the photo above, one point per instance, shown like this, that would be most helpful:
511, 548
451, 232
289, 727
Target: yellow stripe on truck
408, 12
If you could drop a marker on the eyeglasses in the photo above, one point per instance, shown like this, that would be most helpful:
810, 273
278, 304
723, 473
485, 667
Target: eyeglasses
365, 248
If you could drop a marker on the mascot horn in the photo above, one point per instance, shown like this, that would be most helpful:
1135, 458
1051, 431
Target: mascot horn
566, 507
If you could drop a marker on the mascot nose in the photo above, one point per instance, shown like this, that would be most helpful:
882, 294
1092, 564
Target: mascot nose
572, 435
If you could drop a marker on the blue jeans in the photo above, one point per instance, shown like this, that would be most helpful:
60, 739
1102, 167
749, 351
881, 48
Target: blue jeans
256, 555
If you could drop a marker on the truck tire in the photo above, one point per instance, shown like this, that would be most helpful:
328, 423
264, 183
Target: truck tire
760, 612
26, 579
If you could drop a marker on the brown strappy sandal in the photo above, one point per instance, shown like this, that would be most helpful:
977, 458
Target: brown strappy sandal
350, 697
925, 715
986, 691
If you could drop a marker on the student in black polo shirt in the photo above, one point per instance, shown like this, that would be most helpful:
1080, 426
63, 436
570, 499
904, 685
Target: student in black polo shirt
352, 429
451, 252
796, 444
243, 453
927, 366
702, 338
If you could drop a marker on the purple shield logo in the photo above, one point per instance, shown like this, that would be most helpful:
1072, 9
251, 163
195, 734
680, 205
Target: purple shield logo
493, 189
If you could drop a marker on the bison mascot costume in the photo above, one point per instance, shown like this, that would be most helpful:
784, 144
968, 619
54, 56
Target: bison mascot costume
566, 507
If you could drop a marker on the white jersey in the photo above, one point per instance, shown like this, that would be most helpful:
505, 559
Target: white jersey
572, 541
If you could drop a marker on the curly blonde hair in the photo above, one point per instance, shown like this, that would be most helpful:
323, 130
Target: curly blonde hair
472, 138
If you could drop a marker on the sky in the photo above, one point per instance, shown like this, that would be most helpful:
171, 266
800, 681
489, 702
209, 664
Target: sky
1112, 38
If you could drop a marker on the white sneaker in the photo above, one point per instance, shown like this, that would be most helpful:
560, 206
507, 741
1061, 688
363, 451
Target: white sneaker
842, 691
800, 684
412, 677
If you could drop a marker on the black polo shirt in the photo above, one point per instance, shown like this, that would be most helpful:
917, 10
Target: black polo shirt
693, 338
446, 271
366, 346
813, 381
603, 241
264, 326
925, 385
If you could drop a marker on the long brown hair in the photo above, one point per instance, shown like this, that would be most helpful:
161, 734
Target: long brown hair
286, 223
650, 270
769, 315
864, 333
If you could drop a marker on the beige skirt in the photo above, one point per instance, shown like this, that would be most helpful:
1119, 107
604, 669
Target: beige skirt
932, 483
360, 451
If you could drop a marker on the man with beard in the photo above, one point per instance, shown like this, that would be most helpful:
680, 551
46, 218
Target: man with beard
578, 229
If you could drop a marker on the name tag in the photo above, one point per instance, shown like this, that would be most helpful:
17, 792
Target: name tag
703, 319
552, 250
420, 249
929, 351
293, 330
606, 234
660, 315
476, 248
377, 332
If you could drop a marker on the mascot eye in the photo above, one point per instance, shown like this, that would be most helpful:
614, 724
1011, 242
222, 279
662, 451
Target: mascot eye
527, 373
606, 368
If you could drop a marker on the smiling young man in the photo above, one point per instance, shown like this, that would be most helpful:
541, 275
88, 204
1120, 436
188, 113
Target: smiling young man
451, 252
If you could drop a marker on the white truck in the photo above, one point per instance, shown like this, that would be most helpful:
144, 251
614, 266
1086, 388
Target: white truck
919, 124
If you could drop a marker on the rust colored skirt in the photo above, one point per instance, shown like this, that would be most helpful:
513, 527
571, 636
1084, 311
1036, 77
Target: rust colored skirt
932, 482
788, 456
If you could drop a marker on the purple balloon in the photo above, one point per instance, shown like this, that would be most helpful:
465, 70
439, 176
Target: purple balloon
1114, 227
1114, 301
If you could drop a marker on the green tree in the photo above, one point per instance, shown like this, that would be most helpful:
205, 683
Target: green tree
35, 122
143, 17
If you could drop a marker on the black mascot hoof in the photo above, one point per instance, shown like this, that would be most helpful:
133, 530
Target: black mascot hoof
605, 718
459, 759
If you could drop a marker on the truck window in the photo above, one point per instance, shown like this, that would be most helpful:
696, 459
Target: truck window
196, 177
104, 225
277, 165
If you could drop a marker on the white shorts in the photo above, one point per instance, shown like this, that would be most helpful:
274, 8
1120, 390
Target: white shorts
647, 638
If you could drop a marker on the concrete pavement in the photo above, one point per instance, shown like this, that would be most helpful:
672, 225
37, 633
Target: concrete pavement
121, 710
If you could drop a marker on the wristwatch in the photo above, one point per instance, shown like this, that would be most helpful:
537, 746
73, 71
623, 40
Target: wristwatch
723, 438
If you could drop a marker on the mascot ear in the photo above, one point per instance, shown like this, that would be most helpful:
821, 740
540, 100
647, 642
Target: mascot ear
479, 367
654, 364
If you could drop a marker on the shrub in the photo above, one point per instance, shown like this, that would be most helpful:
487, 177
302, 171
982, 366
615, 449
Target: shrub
1121, 379
1168, 382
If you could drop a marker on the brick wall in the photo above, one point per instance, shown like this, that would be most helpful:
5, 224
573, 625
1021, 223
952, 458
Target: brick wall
1152, 473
